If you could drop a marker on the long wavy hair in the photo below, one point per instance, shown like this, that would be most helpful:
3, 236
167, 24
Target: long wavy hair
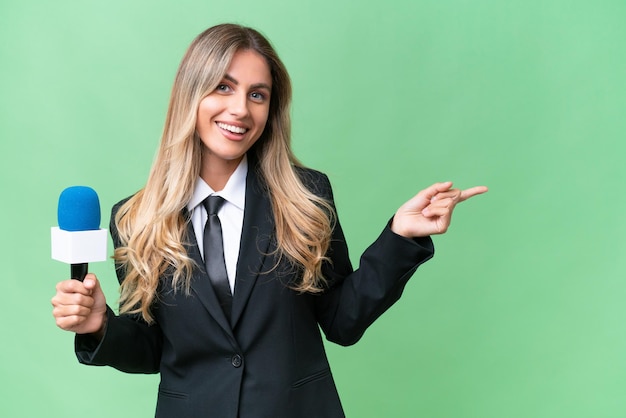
151, 225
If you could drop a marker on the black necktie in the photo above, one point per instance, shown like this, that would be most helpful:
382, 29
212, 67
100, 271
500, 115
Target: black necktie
214, 253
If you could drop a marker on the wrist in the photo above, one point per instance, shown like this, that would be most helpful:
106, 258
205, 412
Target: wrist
397, 229
100, 333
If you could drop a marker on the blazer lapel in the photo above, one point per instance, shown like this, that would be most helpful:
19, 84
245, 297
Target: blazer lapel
258, 228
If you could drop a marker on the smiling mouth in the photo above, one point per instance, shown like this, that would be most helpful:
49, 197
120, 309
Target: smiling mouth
232, 128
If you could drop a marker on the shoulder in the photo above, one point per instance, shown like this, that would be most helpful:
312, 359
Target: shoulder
116, 207
316, 181
112, 222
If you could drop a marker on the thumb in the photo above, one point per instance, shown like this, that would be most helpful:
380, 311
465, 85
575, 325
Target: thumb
424, 197
91, 282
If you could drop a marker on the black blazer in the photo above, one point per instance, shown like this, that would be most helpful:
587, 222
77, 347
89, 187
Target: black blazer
270, 362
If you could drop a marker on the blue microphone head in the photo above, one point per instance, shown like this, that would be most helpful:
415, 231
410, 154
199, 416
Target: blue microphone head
79, 209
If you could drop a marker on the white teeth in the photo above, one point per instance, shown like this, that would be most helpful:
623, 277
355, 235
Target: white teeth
231, 128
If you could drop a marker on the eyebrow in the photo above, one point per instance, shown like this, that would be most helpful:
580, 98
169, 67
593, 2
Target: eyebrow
254, 86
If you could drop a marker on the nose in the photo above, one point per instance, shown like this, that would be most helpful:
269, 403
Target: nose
238, 105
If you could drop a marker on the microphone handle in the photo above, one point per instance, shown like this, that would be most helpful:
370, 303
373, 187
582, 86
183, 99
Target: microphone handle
79, 271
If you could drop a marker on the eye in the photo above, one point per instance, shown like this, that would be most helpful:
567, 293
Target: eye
258, 96
222, 88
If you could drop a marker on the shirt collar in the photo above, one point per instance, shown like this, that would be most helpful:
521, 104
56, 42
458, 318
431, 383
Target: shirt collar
234, 192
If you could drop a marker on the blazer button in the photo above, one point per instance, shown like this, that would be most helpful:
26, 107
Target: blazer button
236, 360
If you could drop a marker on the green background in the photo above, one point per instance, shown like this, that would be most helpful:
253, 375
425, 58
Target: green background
521, 312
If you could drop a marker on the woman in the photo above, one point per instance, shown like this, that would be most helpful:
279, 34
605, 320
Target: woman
232, 323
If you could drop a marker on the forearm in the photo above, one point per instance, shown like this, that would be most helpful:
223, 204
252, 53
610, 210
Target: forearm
385, 267
126, 343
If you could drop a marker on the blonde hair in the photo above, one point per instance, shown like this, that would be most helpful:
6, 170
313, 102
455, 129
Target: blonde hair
151, 226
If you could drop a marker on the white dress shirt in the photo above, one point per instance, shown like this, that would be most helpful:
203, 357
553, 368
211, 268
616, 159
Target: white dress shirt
230, 215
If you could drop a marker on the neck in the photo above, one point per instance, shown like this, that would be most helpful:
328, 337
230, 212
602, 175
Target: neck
217, 173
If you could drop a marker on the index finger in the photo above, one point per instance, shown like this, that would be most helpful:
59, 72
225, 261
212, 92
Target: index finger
73, 286
472, 191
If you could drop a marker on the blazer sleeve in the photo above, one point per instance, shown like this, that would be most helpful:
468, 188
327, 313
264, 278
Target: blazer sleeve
356, 298
129, 343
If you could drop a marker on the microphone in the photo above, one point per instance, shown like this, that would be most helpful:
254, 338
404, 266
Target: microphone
79, 240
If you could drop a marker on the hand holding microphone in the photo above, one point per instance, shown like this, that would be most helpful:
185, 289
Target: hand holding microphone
79, 304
